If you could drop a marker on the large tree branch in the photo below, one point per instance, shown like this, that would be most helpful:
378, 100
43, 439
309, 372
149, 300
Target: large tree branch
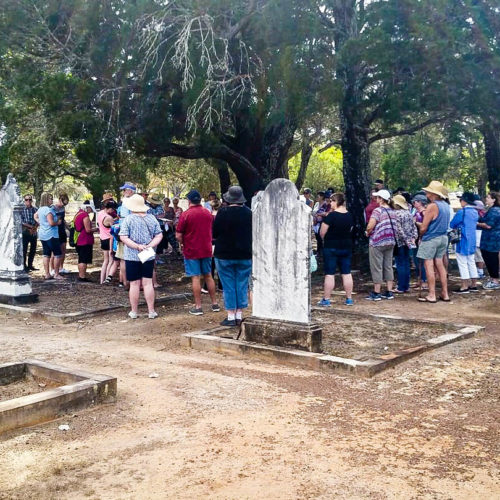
331, 144
409, 130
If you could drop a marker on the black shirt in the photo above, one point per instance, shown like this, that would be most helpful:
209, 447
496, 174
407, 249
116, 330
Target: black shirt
232, 232
339, 234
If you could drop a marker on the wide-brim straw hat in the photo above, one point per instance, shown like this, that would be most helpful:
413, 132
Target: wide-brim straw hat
400, 201
156, 199
135, 203
234, 195
435, 187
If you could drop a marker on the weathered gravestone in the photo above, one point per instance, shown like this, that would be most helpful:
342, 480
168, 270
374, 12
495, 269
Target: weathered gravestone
281, 270
15, 283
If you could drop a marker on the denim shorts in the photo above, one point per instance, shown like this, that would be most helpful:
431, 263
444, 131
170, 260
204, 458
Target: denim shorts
334, 257
198, 267
51, 247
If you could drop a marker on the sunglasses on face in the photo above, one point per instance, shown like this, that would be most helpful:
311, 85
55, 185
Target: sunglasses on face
28, 199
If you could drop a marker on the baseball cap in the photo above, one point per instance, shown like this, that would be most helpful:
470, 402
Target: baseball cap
194, 196
128, 185
384, 194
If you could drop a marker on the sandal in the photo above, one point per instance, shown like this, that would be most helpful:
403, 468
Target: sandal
425, 299
444, 300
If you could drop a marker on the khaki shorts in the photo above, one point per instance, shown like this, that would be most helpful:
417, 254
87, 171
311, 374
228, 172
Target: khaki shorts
433, 249
119, 251
478, 257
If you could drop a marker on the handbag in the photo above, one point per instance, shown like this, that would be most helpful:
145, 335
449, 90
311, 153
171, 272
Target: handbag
455, 235
313, 263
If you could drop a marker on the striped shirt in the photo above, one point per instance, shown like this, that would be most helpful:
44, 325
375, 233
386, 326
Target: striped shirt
384, 232
27, 215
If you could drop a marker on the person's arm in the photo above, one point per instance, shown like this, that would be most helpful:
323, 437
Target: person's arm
371, 226
457, 219
430, 214
51, 221
323, 230
131, 244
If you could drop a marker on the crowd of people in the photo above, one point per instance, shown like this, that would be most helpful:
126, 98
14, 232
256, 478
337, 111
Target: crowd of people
405, 230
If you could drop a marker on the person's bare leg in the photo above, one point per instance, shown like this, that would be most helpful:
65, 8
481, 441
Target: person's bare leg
210, 284
51, 263
149, 293
82, 268
390, 285
46, 268
105, 265
329, 285
443, 277
195, 281
431, 278
377, 287
57, 266
348, 285
112, 266
133, 295
155, 279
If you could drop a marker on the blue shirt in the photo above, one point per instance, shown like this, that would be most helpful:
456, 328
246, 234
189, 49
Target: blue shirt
466, 219
490, 238
46, 231
439, 226
140, 230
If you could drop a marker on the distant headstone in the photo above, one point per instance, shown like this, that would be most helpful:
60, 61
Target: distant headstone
15, 283
281, 275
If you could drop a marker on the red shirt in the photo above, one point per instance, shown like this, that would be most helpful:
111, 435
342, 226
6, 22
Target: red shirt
84, 238
369, 210
195, 224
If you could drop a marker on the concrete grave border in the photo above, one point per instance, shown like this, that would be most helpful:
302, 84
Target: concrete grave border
80, 389
204, 340
76, 316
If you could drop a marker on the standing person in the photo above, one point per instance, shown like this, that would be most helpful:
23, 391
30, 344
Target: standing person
371, 206
320, 211
406, 235
128, 189
48, 234
60, 208
105, 219
379, 184
232, 232
177, 210
466, 219
490, 239
381, 230
156, 209
481, 212
85, 240
434, 233
308, 200
212, 196
29, 229
194, 233
420, 203
336, 232
168, 230
138, 232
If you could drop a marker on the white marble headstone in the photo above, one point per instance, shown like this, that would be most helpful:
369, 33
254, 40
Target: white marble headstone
281, 254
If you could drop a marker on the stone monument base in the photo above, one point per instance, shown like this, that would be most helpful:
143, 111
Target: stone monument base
15, 288
282, 333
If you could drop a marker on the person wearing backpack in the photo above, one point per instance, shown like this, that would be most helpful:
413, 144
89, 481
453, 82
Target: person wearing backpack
85, 239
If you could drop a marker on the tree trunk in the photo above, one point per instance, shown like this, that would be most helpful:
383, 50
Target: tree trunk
491, 135
223, 173
305, 156
356, 169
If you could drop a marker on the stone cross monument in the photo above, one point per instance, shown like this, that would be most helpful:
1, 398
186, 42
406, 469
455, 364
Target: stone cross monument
15, 283
281, 270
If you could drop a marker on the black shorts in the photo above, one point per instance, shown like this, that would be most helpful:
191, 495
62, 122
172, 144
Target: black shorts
63, 237
84, 254
135, 270
105, 245
51, 247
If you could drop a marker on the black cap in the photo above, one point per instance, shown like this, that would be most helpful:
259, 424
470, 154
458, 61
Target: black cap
194, 196
468, 198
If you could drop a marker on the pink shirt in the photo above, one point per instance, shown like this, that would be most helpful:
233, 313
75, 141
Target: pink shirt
104, 232
84, 238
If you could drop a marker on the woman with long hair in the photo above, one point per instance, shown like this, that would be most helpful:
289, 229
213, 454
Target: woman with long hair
490, 239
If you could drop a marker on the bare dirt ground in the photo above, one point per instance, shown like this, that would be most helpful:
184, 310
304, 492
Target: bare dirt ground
213, 426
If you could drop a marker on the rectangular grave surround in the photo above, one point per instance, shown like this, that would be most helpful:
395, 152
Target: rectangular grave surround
78, 389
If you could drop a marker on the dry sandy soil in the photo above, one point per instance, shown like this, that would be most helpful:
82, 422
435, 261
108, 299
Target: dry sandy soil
213, 426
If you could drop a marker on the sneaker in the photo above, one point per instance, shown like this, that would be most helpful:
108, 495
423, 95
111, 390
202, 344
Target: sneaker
375, 297
121, 285
324, 303
491, 285
215, 308
461, 291
388, 295
64, 271
473, 289
152, 315
132, 315
204, 290
196, 311
228, 322
107, 280
52, 272
349, 302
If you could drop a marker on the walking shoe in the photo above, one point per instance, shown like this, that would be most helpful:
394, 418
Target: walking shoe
228, 322
491, 285
215, 308
324, 303
196, 311
388, 295
152, 315
374, 297
204, 290
132, 315
64, 271
52, 272
461, 291
474, 289
349, 302
121, 285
